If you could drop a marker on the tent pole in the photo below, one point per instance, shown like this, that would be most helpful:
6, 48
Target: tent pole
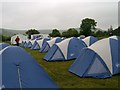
19, 78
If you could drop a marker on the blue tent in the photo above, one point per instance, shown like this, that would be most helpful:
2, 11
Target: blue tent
24, 43
39, 43
30, 43
90, 40
65, 50
47, 45
100, 60
20, 70
3, 45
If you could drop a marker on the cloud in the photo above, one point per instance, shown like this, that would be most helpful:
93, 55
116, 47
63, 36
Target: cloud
61, 15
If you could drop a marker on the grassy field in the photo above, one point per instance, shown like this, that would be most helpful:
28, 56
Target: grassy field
64, 79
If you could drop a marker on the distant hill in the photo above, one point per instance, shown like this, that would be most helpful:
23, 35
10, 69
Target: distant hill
10, 32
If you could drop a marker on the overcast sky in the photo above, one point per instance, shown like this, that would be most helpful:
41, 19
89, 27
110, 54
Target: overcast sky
60, 14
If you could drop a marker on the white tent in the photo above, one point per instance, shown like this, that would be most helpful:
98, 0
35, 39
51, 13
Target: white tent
49, 44
100, 60
89, 40
65, 50
21, 36
30, 43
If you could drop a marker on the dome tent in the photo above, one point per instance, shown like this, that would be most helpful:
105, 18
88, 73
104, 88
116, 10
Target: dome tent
22, 44
47, 45
39, 43
89, 40
65, 50
30, 43
21, 36
22, 71
3, 45
100, 60
25, 42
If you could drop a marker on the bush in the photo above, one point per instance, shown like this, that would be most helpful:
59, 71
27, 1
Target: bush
4, 38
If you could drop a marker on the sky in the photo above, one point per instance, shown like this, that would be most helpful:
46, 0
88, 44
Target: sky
59, 14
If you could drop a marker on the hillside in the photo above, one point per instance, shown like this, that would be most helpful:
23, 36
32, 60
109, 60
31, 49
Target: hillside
10, 32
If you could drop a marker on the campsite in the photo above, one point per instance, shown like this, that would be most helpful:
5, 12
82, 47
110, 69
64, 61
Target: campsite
67, 80
58, 44
61, 70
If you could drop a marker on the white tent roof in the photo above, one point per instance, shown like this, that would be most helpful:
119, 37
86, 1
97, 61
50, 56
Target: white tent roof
63, 45
32, 41
87, 40
104, 51
103, 45
52, 41
40, 42
114, 37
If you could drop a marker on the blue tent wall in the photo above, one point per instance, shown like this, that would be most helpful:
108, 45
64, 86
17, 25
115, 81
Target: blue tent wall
74, 47
29, 45
46, 46
31, 74
93, 40
50, 54
35, 46
3, 45
97, 68
25, 45
115, 52
119, 52
58, 40
79, 66
22, 44
84, 62
95, 63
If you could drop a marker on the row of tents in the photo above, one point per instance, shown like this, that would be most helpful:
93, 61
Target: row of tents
59, 48
93, 57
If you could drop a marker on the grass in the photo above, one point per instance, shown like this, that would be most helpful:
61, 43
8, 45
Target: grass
64, 79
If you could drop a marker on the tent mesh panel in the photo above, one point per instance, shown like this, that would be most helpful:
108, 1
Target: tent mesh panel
97, 67
58, 55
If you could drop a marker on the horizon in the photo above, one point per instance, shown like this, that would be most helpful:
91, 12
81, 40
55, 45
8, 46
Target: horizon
54, 14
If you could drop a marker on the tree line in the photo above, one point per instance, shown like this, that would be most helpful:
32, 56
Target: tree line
87, 28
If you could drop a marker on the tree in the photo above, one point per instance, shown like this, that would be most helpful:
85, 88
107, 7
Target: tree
5, 38
116, 31
55, 33
31, 32
72, 32
87, 25
65, 34
110, 30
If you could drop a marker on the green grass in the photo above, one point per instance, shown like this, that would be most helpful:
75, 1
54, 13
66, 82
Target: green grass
64, 79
